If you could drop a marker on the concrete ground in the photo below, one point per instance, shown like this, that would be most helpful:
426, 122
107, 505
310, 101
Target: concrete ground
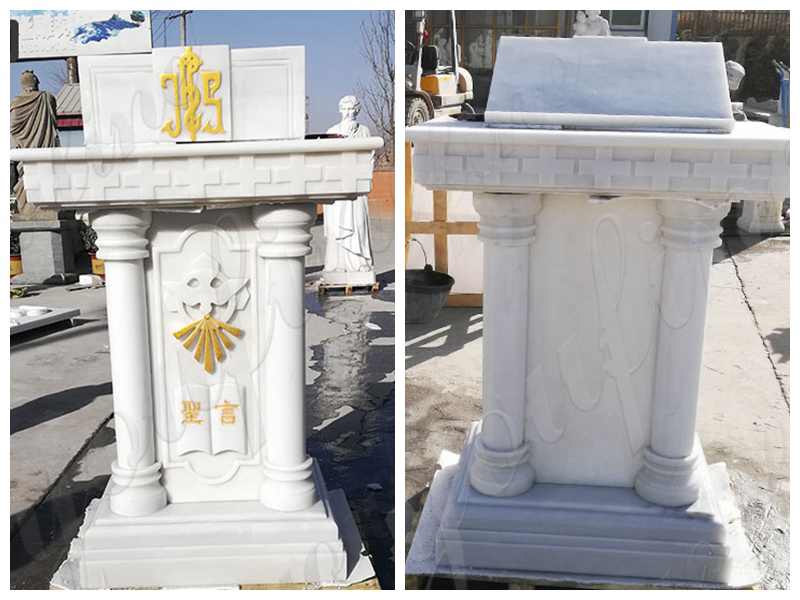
62, 428
743, 417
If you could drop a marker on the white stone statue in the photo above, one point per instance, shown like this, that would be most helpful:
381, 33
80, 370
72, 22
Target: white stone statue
589, 22
441, 40
735, 73
480, 56
348, 251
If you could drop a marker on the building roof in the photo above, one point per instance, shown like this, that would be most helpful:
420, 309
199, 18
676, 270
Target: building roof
68, 100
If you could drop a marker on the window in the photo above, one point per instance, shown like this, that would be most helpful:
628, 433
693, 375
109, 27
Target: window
626, 19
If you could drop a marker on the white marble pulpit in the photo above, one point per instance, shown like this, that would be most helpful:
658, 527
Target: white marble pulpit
202, 190
600, 197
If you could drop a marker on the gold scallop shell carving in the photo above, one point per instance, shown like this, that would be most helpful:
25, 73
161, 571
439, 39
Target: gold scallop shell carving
209, 336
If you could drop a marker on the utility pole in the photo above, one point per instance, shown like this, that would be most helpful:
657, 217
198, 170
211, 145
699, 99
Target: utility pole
182, 14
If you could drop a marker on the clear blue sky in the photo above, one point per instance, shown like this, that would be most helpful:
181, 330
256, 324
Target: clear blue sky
332, 39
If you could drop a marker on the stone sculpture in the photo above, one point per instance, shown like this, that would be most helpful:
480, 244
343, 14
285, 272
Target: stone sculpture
480, 55
49, 239
589, 22
33, 125
348, 251
735, 73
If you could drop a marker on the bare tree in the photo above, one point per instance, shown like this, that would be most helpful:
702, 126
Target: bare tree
377, 95
58, 76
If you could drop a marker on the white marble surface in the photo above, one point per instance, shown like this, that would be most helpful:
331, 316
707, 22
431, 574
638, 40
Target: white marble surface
27, 316
609, 82
169, 175
123, 105
321, 545
588, 564
752, 160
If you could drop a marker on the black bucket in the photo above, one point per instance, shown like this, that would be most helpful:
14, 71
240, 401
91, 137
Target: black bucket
426, 293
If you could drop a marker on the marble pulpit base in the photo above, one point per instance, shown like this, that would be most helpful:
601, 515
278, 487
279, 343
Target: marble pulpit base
196, 544
567, 534
50, 250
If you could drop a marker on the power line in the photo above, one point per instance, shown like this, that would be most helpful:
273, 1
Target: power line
182, 14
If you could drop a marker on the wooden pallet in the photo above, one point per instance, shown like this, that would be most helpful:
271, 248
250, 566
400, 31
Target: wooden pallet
369, 584
348, 290
440, 228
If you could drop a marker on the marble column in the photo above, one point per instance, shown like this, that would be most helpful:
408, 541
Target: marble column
135, 474
763, 216
689, 233
283, 244
501, 463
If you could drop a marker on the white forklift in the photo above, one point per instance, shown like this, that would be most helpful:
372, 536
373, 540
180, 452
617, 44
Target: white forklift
435, 83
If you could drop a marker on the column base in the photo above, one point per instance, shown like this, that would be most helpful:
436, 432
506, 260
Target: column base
581, 535
669, 481
136, 492
215, 544
290, 489
496, 473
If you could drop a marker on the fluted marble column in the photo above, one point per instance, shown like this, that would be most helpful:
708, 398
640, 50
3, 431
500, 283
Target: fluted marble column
689, 233
135, 474
501, 464
283, 244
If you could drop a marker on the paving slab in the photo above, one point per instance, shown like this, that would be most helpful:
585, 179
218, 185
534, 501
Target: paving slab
60, 392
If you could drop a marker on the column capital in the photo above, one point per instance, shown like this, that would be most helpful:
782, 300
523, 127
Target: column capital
691, 225
283, 231
121, 234
507, 219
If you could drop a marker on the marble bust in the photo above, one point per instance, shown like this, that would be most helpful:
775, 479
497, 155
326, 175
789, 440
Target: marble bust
589, 22
735, 73
348, 251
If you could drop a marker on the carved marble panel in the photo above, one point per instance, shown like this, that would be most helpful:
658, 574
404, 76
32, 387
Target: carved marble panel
204, 319
173, 175
595, 280
122, 106
751, 161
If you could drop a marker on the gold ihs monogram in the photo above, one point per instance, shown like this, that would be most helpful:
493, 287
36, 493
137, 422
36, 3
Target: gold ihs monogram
187, 97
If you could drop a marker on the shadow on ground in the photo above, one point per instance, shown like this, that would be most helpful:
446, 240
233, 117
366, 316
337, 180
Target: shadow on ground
55, 405
447, 333
41, 541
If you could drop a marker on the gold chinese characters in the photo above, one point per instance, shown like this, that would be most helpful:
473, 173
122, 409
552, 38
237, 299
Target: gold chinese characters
187, 97
191, 412
228, 416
